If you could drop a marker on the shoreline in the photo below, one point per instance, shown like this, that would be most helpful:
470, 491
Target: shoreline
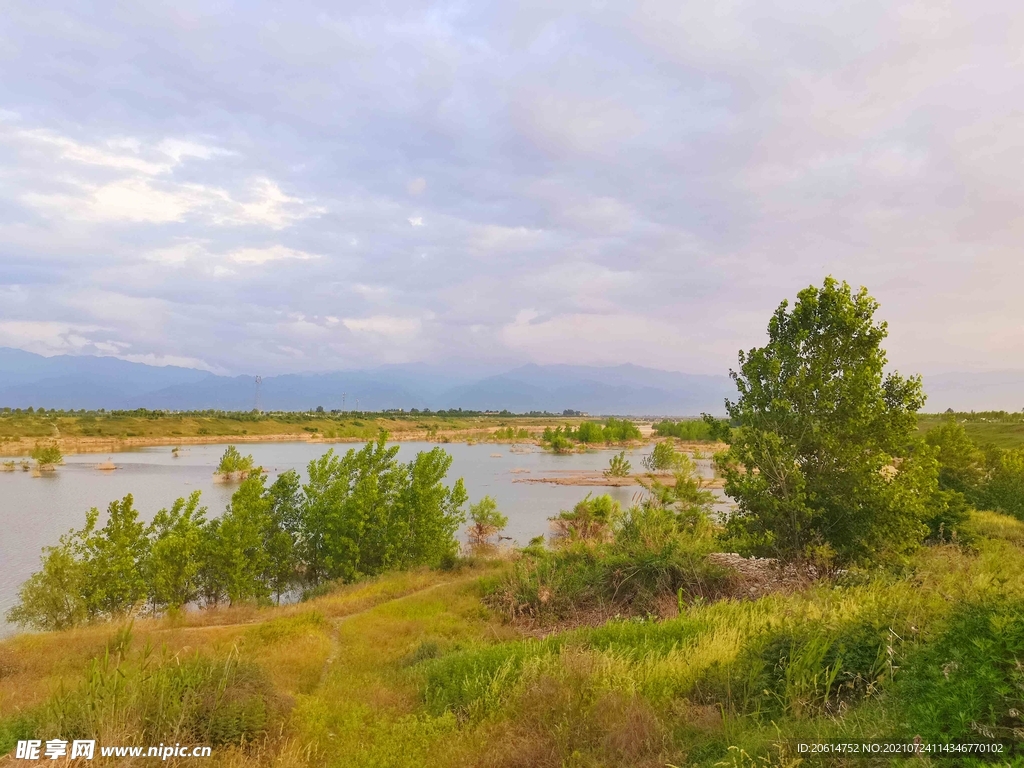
73, 445
597, 478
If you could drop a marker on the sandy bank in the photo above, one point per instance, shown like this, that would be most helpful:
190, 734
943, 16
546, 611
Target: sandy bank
597, 478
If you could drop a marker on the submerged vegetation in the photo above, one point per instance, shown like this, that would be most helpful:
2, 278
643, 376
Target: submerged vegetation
890, 609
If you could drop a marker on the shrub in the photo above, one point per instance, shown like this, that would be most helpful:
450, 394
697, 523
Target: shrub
662, 457
691, 429
590, 520
232, 461
47, 455
1005, 488
969, 682
618, 466
486, 521
608, 562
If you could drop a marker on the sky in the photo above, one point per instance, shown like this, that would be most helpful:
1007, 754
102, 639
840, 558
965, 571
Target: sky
279, 187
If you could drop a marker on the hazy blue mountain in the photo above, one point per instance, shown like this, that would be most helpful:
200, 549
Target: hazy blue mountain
105, 382
67, 381
624, 389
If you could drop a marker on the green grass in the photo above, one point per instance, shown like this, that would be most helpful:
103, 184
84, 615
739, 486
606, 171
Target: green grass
413, 669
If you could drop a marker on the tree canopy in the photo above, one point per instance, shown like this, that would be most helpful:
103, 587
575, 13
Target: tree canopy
823, 460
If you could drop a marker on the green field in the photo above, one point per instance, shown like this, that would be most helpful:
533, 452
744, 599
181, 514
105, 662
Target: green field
998, 428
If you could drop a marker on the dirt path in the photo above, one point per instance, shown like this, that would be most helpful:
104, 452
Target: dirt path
336, 623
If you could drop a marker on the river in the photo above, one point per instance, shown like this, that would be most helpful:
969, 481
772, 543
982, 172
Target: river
35, 511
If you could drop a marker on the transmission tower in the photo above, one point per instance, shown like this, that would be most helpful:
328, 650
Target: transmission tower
342, 401
256, 404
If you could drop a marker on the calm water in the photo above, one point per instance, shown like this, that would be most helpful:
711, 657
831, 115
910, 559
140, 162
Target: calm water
35, 511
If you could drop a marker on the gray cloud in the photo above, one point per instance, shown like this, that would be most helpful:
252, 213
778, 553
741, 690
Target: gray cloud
254, 187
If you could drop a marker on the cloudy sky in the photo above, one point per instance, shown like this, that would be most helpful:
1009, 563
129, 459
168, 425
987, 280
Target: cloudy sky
257, 187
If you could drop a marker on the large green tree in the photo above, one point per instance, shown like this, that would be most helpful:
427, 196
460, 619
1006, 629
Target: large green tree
115, 559
176, 537
237, 564
365, 512
823, 461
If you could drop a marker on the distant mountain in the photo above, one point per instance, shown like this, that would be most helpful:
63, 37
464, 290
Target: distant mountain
623, 389
67, 381
105, 382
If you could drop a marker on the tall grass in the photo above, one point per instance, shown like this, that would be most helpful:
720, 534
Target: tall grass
143, 697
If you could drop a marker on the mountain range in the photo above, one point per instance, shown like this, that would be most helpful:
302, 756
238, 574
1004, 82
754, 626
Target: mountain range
67, 381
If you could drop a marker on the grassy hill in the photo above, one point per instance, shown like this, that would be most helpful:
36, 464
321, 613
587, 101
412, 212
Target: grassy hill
414, 669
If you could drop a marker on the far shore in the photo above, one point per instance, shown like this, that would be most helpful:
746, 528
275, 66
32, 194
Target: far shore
598, 479
71, 445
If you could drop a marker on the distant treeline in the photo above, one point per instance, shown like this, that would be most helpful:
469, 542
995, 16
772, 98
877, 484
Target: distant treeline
999, 416
691, 429
359, 514
611, 431
255, 415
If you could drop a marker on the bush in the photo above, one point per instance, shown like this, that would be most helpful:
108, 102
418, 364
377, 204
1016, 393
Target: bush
47, 455
590, 520
486, 521
969, 682
691, 429
611, 562
663, 457
618, 466
1004, 491
232, 461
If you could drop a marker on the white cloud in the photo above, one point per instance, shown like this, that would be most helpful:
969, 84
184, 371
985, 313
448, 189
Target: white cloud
272, 253
145, 201
145, 190
416, 221
384, 325
46, 337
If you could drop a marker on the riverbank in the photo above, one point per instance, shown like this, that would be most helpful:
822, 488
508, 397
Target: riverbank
597, 478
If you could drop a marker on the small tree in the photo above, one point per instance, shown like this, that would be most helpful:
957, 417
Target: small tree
663, 457
686, 497
619, 466
234, 463
176, 543
47, 456
115, 560
1005, 488
961, 462
51, 599
237, 561
591, 520
486, 522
